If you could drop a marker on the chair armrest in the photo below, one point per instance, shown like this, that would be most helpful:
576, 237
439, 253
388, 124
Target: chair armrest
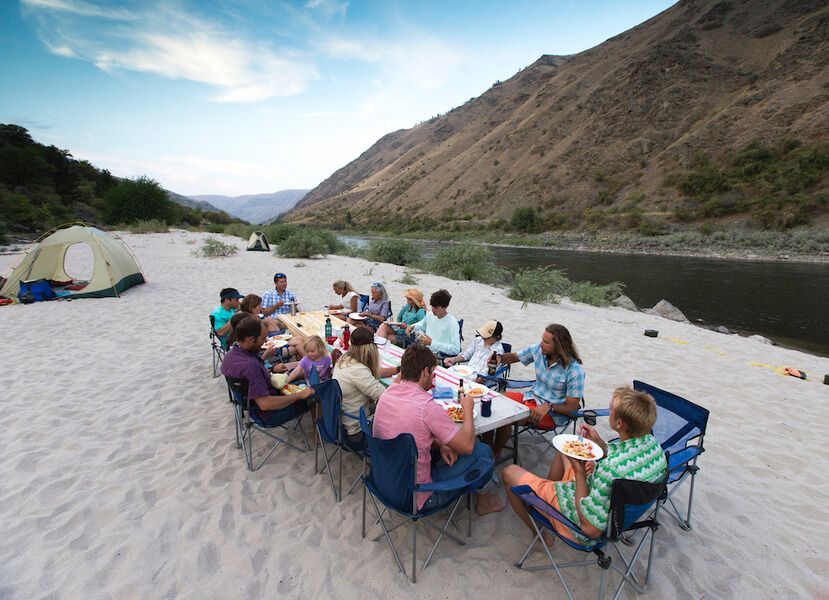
599, 412
532, 500
478, 469
683, 457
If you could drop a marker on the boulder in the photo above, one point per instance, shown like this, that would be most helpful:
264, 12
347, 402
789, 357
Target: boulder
723, 329
667, 310
625, 302
761, 339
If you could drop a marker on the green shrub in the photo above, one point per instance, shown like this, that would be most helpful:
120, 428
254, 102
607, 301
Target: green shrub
393, 251
332, 243
216, 248
149, 226
215, 228
543, 284
305, 243
141, 199
526, 220
588, 292
466, 262
350, 250
240, 230
408, 278
278, 232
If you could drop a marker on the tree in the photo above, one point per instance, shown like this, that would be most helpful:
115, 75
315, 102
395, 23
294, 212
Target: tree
140, 199
526, 220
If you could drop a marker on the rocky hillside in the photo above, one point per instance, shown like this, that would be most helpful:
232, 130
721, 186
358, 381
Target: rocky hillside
620, 128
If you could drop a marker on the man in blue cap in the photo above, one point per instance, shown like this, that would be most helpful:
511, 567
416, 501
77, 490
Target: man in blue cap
279, 299
229, 304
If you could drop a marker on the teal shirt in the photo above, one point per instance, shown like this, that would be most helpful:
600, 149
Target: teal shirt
409, 315
222, 317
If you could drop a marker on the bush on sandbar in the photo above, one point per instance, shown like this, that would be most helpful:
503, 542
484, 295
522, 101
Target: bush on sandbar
302, 244
396, 252
216, 248
545, 284
466, 263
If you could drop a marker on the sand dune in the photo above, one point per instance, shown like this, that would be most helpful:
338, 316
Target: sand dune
120, 478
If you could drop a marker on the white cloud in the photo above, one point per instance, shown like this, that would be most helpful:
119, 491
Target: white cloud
174, 45
78, 7
328, 7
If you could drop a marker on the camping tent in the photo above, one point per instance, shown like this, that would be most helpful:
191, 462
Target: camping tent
115, 267
258, 241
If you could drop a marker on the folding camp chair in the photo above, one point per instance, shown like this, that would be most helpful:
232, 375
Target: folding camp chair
248, 421
218, 347
680, 428
391, 480
629, 501
331, 431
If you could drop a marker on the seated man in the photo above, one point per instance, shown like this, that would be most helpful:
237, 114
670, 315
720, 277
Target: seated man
243, 362
559, 376
438, 330
581, 491
407, 407
279, 299
229, 304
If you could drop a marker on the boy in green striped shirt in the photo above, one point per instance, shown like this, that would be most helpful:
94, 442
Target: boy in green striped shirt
581, 490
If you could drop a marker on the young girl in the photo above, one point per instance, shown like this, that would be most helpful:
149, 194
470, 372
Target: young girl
316, 355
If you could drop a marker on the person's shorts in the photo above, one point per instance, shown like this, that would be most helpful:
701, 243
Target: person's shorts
546, 490
275, 418
547, 422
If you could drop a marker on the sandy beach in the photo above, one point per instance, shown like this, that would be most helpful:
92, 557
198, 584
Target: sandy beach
120, 478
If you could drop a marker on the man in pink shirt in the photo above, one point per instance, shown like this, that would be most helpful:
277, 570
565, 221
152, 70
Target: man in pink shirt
408, 407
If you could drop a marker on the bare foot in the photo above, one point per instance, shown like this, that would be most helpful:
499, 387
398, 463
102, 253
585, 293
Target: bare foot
489, 503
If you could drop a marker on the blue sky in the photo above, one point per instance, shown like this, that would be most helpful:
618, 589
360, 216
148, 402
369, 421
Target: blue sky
251, 96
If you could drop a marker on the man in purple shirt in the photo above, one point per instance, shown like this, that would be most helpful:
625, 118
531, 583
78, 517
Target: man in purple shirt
408, 407
243, 362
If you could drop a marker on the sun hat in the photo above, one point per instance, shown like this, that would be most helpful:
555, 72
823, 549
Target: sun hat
361, 336
415, 296
489, 329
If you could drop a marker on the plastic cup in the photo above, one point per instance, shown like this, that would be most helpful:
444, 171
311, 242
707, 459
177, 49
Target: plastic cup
486, 407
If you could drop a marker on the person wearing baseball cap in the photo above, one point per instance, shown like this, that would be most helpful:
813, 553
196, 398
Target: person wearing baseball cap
228, 305
487, 341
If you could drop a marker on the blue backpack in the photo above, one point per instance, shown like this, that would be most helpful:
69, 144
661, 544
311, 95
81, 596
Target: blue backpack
36, 290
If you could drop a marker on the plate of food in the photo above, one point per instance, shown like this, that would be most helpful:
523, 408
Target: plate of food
462, 370
356, 317
455, 412
577, 447
274, 342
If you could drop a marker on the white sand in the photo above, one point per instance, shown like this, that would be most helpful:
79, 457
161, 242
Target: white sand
120, 478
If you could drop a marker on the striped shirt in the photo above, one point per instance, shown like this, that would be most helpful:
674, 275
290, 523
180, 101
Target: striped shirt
639, 458
272, 297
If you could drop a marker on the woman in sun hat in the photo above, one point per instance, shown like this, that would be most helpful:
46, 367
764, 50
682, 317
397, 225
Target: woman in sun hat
413, 311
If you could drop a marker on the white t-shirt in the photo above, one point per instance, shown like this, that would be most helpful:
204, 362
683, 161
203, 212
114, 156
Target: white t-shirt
345, 301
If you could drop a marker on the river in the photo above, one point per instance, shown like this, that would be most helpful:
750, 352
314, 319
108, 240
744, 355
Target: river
787, 302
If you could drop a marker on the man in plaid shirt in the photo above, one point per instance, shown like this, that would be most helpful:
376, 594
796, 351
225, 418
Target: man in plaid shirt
278, 299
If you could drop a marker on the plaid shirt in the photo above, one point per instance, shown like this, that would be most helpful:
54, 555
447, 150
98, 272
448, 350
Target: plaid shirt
553, 384
272, 297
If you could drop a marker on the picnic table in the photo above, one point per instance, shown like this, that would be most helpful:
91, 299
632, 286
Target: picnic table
308, 323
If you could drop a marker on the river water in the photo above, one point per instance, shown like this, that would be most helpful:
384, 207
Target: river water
787, 302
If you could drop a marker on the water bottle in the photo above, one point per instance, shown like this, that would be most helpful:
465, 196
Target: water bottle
327, 327
346, 336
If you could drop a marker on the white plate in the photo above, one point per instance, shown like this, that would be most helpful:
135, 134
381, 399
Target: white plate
462, 370
379, 340
275, 344
560, 440
356, 317
476, 412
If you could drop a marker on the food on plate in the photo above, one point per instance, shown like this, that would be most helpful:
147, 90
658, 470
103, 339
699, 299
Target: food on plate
455, 413
476, 392
582, 450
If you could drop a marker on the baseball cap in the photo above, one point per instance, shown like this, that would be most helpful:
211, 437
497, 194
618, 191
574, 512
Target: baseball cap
489, 329
280, 276
230, 293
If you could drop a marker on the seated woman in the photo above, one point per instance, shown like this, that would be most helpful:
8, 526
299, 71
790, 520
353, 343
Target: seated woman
348, 299
358, 372
377, 310
252, 305
479, 353
584, 496
412, 312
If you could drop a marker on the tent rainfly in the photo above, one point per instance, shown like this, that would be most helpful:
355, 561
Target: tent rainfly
258, 241
115, 267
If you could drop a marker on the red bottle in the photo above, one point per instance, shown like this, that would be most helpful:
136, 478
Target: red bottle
346, 336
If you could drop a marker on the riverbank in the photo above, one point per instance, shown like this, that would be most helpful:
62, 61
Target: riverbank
162, 505
809, 246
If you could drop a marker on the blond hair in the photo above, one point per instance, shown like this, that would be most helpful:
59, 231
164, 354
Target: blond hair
315, 342
637, 409
365, 354
343, 287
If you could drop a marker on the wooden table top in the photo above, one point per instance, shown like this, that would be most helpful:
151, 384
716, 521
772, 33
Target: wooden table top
305, 324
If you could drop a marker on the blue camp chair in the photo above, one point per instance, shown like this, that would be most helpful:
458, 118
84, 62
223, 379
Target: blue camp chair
391, 480
218, 346
630, 501
680, 428
250, 421
330, 431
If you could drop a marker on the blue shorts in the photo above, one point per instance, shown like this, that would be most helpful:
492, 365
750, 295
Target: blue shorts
275, 418
441, 472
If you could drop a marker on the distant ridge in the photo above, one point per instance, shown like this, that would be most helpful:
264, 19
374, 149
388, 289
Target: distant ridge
255, 208
190, 203
605, 128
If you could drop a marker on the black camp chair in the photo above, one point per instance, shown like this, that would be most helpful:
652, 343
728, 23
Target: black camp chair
218, 346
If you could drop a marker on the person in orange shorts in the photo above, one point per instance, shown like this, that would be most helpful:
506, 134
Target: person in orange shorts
580, 490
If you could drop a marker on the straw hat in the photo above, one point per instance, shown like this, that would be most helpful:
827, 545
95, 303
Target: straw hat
415, 296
